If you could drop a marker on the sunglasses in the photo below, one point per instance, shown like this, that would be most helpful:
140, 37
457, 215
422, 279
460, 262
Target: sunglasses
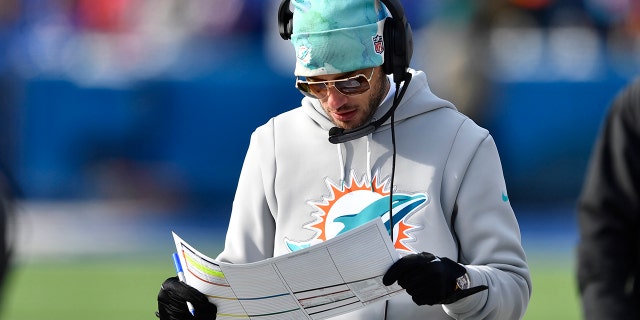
350, 86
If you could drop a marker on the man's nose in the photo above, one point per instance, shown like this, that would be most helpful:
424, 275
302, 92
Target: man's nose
335, 98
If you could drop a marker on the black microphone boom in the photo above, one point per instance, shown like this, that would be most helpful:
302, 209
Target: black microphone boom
339, 135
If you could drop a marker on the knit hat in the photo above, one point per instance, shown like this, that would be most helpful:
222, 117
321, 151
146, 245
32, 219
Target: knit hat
337, 36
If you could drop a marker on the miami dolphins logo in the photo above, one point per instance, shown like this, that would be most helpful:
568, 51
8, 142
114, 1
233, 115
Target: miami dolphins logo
304, 54
357, 202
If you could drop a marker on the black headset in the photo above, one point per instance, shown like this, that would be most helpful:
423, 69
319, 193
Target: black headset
398, 38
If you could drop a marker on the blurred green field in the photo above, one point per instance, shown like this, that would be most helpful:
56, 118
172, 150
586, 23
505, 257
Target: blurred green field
555, 292
122, 288
85, 289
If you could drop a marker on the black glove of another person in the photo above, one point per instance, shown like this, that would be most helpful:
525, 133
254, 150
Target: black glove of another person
430, 279
172, 302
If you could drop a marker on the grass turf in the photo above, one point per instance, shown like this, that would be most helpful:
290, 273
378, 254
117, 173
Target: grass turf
555, 293
94, 289
121, 288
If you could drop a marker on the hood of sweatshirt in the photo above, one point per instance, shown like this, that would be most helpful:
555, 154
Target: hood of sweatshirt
418, 99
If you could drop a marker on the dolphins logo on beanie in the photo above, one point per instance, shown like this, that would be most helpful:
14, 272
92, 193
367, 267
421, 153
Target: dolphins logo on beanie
337, 36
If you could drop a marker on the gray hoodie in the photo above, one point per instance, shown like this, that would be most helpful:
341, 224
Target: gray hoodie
297, 189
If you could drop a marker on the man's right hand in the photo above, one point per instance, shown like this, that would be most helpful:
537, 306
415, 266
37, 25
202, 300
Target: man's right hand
172, 302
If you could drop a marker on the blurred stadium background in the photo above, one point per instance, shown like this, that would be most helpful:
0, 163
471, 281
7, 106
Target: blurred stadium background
122, 120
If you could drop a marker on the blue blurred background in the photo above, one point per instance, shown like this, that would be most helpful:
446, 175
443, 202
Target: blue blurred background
134, 115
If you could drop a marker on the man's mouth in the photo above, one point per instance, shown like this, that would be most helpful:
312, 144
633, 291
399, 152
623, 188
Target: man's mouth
345, 115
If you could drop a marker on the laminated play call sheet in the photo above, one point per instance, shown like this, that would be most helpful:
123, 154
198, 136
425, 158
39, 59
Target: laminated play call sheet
325, 280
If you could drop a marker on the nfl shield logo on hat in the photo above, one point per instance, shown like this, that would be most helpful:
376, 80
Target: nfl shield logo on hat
378, 44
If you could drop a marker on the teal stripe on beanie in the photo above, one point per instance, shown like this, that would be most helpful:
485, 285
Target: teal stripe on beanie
337, 36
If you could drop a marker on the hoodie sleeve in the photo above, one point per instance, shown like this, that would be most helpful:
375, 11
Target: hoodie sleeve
489, 237
250, 235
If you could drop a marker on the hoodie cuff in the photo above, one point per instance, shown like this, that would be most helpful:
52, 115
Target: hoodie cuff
469, 303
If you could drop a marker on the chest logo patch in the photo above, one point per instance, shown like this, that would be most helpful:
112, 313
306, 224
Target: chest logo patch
356, 202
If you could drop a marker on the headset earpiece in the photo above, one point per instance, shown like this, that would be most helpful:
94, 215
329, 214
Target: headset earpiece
285, 18
398, 42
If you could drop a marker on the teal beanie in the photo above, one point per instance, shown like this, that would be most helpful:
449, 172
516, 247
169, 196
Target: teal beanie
337, 36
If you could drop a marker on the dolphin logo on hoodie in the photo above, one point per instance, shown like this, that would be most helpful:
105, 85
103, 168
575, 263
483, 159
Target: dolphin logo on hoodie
350, 206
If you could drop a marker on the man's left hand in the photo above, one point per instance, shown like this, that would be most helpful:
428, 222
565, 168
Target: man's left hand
431, 280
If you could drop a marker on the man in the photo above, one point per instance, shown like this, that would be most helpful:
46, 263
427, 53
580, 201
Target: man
398, 145
609, 213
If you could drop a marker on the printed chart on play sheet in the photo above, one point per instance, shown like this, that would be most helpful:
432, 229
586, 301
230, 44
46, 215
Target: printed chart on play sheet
325, 280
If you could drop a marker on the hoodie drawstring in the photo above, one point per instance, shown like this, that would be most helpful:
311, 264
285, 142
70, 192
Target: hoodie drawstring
369, 174
341, 165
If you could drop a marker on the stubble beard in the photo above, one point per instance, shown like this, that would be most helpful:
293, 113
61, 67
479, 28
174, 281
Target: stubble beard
378, 93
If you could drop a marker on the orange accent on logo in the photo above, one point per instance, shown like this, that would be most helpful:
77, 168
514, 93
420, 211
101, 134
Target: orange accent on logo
402, 235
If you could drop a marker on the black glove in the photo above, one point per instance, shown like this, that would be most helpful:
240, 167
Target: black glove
172, 302
431, 280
